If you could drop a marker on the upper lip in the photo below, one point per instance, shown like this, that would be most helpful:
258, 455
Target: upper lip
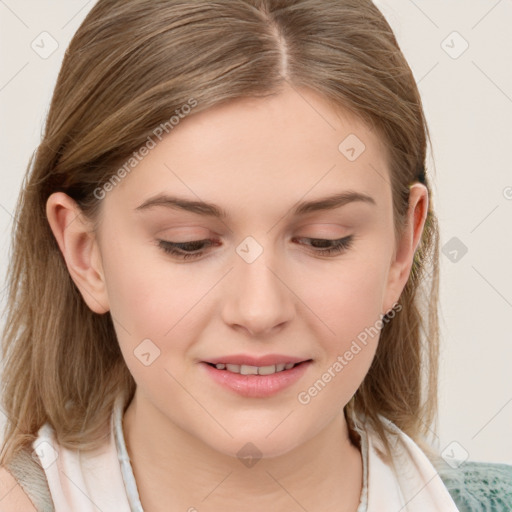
266, 360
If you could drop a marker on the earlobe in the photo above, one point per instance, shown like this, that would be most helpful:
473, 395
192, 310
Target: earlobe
408, 244
79, 247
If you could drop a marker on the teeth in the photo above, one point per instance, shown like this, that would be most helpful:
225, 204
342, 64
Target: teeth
245, 369
266, 370
248, 370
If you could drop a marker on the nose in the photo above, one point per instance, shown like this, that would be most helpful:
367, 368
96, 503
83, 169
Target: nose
258, 297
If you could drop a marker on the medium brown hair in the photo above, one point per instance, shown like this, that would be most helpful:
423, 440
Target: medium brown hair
129, 67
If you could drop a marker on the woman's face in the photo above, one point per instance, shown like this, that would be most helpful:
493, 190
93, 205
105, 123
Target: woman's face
262, 285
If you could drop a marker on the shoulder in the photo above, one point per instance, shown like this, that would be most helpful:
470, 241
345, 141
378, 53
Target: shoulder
12, 496
24, 485
478, 486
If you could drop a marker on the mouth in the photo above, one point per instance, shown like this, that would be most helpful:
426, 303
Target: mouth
256, 377
245, 369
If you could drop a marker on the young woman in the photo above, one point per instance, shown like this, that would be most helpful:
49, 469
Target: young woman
223, 285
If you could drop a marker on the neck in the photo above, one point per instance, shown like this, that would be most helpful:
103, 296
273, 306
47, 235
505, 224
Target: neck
176, 471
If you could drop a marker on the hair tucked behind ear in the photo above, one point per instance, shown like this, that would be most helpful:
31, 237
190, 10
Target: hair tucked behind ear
130, 66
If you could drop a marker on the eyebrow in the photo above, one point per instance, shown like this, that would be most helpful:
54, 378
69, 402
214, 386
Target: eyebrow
212, 210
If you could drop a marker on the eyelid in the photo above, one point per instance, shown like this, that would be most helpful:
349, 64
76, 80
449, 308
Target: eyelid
187, 231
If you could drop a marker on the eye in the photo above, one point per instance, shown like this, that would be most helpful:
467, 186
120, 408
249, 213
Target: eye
329, 247
196, 248
185, 250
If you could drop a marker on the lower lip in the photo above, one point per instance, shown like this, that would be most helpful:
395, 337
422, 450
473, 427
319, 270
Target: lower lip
257, 386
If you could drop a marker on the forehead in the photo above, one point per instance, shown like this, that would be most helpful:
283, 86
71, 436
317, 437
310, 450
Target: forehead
273, 150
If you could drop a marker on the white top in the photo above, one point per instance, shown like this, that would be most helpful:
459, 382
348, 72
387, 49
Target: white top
103, 479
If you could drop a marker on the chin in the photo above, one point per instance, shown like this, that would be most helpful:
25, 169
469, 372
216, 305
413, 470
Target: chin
251, 448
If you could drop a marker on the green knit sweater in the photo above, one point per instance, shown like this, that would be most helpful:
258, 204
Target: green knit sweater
479, 486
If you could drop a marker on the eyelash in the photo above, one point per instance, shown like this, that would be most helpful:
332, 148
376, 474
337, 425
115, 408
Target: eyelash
339, 246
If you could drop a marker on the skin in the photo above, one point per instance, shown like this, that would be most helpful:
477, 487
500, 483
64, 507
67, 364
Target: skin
255, 158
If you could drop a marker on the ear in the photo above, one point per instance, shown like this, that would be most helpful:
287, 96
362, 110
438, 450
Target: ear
79, 246
406, 247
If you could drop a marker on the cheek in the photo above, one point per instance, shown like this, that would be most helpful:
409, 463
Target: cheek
149, 302
348, 302
149, 299
348, 299
146, 293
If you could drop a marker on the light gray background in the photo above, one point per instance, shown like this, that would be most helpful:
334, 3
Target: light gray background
468, 102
